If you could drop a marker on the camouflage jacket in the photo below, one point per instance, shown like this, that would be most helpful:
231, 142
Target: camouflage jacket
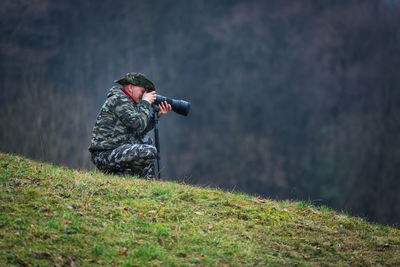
120, 120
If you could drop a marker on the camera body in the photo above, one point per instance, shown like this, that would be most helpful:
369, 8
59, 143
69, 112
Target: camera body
181, 107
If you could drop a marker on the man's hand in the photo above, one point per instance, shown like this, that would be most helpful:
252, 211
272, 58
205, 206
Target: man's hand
149, 97
164, 108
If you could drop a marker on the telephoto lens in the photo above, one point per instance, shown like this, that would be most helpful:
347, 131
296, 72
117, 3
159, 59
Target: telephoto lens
181, 107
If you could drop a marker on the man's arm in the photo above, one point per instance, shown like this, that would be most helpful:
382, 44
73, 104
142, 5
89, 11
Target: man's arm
136, 118
140, 119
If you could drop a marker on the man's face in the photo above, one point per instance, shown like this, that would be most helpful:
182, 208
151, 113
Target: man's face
137, 92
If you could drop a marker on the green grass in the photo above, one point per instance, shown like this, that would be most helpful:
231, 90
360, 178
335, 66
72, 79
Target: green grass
53, 216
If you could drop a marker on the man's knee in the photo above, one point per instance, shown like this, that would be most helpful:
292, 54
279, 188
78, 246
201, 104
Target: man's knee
147, 152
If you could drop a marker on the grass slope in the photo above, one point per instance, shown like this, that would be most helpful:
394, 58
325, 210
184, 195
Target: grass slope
55, 216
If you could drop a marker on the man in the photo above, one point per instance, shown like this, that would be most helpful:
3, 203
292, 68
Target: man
119, 143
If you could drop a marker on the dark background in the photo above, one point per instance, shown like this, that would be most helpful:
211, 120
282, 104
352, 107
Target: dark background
290, 99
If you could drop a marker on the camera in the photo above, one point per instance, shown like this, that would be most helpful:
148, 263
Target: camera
181, 107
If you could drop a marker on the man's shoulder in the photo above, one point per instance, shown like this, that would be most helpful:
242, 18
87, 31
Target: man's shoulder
115, 92
116, 96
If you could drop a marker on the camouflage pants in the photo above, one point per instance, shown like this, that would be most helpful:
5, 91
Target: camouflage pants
132, 159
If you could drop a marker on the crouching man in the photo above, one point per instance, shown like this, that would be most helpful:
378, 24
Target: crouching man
119, 142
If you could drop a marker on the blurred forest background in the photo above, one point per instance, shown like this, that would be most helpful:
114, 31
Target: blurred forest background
290, 99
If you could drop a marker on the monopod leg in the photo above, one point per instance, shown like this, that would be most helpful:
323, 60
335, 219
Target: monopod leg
157, 141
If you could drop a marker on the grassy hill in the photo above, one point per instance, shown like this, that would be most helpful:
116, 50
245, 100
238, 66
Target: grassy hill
55, 216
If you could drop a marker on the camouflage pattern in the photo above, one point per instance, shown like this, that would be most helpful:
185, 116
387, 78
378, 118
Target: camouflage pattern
119, 143
133, 159
137, 79
119, 121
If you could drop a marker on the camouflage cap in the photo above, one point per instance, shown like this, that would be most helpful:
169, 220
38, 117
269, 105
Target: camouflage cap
137, 79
